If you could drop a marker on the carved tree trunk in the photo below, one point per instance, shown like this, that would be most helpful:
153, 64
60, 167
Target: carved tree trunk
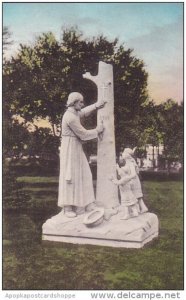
106, 191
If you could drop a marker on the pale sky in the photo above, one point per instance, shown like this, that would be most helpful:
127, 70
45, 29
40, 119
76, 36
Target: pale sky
153, 30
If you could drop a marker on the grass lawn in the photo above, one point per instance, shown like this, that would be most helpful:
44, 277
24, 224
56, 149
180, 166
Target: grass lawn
28, 263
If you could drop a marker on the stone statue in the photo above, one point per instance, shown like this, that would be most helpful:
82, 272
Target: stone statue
104, 220
75, 181
130, 187
106, 193
135, 182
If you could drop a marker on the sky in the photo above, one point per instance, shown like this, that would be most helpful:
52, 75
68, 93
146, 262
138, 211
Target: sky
153, 30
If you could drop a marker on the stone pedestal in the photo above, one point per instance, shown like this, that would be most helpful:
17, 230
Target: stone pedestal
132, 233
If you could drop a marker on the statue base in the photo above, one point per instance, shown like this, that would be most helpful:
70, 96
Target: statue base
131, 233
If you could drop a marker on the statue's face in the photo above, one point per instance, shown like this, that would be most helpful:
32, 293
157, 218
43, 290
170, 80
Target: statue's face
79, 104
122, 162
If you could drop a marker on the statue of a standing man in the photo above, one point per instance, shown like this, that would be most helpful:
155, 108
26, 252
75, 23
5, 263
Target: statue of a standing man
75, 180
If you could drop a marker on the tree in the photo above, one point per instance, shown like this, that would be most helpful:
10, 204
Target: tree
43, 75
6, 39
43, 144
172, 125
36, 84
16, 139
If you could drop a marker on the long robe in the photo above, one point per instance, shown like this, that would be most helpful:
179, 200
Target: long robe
127, 195
75, 179
135, 182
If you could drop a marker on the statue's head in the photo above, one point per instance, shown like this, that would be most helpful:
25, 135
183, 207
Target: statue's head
128, 153
75, 99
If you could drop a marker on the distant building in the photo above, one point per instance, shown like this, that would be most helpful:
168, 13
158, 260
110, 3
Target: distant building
152, 156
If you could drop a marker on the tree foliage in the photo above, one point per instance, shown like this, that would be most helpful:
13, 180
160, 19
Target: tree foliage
7, 41
39, 79
171, 116
37, 82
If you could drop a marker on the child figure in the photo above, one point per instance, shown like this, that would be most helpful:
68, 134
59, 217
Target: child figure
135, 182
128, 200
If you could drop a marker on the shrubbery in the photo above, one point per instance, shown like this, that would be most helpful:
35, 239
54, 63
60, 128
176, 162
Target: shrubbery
14, 197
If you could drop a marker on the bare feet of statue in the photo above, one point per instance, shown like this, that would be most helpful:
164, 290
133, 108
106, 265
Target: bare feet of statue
126, 214
134, 211
69, 212
138, 207
143, 207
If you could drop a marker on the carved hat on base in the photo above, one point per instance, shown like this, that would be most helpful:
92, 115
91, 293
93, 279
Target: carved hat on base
94, 218
73, 97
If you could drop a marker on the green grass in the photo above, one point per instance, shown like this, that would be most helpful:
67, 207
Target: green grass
29, 263
37, 179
